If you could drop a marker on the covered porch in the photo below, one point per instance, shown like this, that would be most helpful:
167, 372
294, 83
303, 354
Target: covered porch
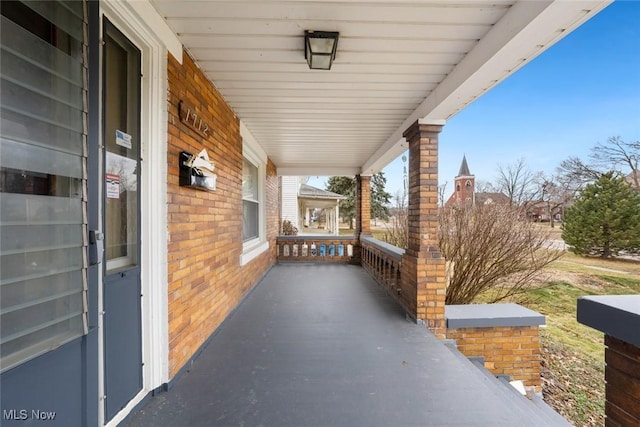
324, 344
236, 337
320, 210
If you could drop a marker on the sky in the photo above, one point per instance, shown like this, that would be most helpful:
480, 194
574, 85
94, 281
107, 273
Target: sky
581, 91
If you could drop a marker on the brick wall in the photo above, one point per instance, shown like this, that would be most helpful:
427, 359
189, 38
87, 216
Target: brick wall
622, 374
206, 281
507, 350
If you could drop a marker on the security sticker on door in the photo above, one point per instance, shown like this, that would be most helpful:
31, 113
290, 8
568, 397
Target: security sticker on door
123, 139
113, 186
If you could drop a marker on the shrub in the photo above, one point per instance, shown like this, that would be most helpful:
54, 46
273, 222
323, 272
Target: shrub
494, 252
288, 229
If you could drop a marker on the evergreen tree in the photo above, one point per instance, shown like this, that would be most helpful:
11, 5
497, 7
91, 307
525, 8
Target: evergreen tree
380, 198
346, 186
605, 218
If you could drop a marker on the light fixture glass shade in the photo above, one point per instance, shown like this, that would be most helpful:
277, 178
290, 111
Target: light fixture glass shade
320, 62
320, 49
321, 45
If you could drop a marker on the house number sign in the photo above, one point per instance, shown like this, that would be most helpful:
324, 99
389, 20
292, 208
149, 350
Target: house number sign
189, 117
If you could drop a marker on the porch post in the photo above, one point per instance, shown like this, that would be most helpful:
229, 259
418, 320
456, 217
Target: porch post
363, 205
423, 267
363, 213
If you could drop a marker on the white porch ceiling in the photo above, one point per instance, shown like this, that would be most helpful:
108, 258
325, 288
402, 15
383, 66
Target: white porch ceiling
397, 62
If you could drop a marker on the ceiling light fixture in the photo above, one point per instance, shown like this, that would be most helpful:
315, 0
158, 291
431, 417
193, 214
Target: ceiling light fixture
320, 49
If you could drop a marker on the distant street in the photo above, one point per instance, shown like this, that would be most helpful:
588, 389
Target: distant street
558, 245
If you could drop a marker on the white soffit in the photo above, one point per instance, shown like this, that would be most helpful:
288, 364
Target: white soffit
397, 62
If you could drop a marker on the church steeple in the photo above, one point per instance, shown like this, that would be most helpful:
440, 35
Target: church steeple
464, 167
465, 184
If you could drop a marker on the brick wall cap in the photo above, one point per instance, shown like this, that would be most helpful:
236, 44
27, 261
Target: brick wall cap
615, 315
490, 315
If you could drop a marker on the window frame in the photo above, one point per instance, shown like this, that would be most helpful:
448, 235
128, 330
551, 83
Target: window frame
254, 154
255, 201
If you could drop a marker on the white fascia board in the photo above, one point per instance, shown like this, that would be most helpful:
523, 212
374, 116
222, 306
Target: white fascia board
150, 16
526, 30
250, 146
389, 151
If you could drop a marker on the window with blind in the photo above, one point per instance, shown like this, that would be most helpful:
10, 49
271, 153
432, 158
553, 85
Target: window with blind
250, 202
42, 177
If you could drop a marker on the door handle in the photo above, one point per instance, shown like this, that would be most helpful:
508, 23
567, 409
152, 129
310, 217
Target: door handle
96, 247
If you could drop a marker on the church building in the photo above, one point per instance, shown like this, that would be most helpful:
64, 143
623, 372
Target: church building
465, 190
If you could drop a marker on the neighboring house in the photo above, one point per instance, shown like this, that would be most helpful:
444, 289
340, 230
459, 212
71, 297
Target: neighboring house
539, 211
303, 204
488, 198
464, 191
289, 209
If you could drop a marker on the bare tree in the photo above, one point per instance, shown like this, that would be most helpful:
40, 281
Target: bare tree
442, 194
615, 154
556, 193
485, 187
618, 155
518, 183
494, 252
574, 173
397, 232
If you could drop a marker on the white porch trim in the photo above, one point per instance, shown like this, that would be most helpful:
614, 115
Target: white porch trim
146, 29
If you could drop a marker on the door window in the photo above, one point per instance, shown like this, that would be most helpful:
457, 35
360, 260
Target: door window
122, 144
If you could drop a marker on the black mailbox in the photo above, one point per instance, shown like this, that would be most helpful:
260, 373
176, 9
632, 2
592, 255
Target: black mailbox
194, 177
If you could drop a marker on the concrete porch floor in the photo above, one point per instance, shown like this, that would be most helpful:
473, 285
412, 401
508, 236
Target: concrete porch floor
324, 345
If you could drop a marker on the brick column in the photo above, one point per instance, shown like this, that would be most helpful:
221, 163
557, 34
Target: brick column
363, 214
423, 267
618, 316
363, 204
622, 374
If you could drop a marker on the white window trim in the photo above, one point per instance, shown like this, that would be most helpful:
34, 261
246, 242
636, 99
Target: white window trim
249, 254
253, 152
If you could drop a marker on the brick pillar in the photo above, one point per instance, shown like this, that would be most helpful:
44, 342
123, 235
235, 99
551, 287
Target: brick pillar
363, 204
423, 267
363, 214
622, 374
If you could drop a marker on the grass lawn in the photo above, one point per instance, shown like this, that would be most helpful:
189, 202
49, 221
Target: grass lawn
573, 354
554, 232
